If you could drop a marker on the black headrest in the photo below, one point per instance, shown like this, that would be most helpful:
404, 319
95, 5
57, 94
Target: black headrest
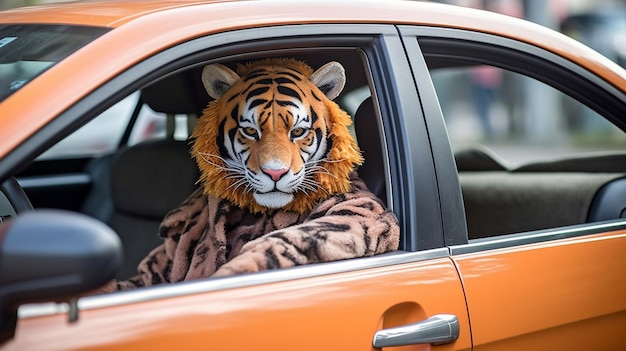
478, 158
181, 93
596, 162
151, 178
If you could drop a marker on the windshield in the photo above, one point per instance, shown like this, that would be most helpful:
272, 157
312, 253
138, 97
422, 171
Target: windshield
28, 50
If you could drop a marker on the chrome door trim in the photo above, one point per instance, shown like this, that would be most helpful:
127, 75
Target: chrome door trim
533, 237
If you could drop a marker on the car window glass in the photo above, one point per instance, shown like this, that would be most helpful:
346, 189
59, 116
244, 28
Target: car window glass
28, 50
520, 119
527, 155
102, 135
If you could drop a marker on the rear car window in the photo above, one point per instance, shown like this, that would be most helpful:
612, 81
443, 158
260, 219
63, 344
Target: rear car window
519, 119
27, 50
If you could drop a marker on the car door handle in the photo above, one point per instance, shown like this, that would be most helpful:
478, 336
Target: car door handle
437, 330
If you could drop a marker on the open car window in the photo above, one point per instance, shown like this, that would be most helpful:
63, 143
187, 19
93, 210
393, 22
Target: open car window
130, 146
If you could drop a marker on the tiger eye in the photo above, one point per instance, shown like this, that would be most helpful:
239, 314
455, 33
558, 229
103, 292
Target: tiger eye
249, 131
298, 132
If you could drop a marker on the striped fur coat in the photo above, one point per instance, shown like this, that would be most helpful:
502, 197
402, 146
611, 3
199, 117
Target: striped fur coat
208, 237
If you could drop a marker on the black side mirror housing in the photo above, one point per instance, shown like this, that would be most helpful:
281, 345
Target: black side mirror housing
52, 255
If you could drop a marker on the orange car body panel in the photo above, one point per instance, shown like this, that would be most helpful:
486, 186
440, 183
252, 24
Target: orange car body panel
134, 38
533, 310
341, 311
525, 314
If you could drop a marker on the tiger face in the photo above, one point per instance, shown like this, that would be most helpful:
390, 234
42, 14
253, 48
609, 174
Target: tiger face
274, 127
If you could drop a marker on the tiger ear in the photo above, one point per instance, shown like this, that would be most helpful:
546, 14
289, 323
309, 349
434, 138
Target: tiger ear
330, 79
217, 79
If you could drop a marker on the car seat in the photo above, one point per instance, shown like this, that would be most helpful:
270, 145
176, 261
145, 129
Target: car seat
147, 181
136, 187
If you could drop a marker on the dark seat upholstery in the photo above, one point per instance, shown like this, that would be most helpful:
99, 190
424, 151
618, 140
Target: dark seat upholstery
501, 202
368, 135
147, 181
136, 187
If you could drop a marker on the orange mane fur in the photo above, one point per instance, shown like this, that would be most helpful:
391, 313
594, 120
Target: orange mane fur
341, 159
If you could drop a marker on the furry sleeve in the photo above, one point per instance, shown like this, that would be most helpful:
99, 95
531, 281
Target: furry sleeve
181, 230
350, 225
198, 239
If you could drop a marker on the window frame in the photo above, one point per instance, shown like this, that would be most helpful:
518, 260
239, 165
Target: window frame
414, 199
524, 59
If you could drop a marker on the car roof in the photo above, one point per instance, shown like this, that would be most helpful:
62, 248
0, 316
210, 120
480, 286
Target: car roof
111, 13
115, 13
233, 14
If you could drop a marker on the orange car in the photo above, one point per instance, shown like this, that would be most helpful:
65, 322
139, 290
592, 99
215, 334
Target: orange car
520, 254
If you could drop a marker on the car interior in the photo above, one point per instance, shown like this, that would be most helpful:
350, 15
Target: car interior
501, 197
539, 195
132, 188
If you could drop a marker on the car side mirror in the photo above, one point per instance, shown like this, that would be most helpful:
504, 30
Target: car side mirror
52, 255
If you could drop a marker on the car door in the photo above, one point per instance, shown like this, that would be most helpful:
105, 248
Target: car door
338, 307
353, 304
541, 269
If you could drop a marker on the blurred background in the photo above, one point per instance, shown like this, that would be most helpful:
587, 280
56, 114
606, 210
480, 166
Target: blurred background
518, 119
523, 120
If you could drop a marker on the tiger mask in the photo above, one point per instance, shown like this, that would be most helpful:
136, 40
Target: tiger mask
273, 137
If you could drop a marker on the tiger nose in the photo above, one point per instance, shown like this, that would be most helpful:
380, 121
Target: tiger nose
275, 174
